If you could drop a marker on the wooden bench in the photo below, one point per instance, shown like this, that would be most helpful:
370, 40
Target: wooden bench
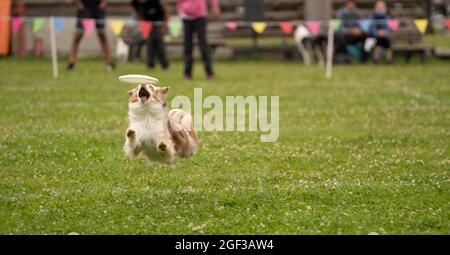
277, 47
407, 41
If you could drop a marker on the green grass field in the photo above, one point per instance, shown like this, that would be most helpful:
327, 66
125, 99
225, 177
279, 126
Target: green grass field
365, 152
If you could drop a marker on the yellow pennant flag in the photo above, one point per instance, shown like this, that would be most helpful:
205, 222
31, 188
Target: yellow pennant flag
421, 25
116, 26
259, 27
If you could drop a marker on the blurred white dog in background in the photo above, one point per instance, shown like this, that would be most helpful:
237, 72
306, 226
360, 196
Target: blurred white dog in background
310, 47
122, 50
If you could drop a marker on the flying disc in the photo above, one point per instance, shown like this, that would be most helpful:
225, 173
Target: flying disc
138, 79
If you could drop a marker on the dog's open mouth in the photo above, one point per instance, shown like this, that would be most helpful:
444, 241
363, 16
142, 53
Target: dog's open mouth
143, 95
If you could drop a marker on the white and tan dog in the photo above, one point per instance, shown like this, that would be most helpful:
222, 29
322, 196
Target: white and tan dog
155, 132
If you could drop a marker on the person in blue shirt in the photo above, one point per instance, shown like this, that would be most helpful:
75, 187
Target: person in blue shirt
379, 29
350, 32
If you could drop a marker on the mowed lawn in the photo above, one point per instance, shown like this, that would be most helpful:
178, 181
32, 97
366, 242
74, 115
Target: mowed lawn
365, 152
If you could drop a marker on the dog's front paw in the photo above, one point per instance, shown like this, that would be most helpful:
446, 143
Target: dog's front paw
162, 146
131, 134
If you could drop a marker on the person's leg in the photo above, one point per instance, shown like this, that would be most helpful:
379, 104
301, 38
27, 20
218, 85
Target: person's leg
340, 43
135, 49
161, 50
105, 48
100, 25
152, 48
21, 42
377, 54
389, 50
188, 28
203, 44
140, 42
76, 40
74, 50
359, 41
341, 55
389, 55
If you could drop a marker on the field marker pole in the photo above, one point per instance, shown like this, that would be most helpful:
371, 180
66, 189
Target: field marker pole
330, 47
53, 45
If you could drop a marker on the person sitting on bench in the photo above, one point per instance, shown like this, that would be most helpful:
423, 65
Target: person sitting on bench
350, 32
380, 30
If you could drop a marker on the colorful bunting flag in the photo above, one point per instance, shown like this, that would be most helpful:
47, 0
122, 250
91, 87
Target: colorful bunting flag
145, 27
37, 24
231, 25
116, 26
421, 25
314, 27
59, 24
16, 24
447, 23
175, 28
393, 24
336, 24
88, 25
286, 27
259, 27
364, 24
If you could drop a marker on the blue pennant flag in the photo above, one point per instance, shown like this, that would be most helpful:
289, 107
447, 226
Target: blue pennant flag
59, 24
364, 24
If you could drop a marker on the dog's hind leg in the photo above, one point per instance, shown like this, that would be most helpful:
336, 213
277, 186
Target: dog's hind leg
320, 56
167, 150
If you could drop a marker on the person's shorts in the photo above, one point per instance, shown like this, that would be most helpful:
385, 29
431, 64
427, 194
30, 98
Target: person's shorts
383, 42
97, 14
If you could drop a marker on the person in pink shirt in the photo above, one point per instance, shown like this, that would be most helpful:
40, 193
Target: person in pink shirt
193, 14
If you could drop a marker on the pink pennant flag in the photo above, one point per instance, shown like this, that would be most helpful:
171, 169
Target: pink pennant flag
145, 28
16, 24
447, 23
231, 25
314, 27
393, 24
88, 25
286, 27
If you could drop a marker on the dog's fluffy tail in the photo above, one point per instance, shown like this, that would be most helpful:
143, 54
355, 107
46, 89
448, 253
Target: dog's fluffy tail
181, 126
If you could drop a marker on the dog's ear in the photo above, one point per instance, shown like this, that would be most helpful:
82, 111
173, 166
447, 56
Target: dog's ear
161, 94
133, 95
164, 91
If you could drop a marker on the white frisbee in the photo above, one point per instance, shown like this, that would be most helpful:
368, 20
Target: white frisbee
138, 79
